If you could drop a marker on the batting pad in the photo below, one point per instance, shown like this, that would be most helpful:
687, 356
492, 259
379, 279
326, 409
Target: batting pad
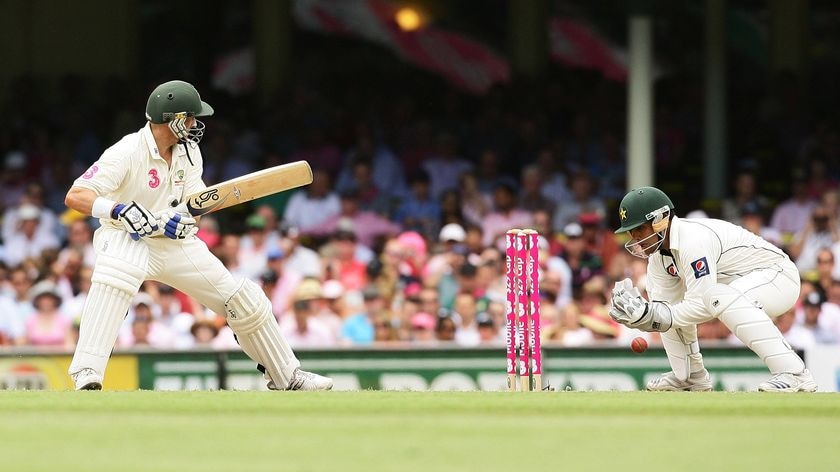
105, 308
753, 327
249, 315
683, 351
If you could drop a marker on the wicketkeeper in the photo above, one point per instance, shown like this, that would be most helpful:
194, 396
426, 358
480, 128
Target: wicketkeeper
699, 269
141, 237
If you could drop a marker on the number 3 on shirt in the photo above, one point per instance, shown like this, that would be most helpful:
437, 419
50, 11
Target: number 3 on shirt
154, 180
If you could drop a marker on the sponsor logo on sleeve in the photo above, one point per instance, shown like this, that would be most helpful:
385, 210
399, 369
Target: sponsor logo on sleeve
700, 267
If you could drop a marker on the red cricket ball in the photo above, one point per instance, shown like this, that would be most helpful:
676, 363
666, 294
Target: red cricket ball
639, 345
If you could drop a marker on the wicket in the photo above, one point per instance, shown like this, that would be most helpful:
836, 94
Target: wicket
522, 315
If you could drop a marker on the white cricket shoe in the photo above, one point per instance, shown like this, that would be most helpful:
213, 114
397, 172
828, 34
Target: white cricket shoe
87, 379
787, 382
303, 380
699, 381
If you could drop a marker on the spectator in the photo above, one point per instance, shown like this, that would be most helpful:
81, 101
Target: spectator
583, 200
820, 232
419, 212
342, 262
531, 197
474, 239
47, 326
451, 208
793, 214
554, 186
796, 335
208, 231
811, 313
487, 331
12, 180
819, 181
27, 242
445, 329
388, 175
475, 204
303, 327
369, 197
204, 332
80, 238
505, 215
583, 264
745, 194
12, 329
489, 172
253, 248
429, 301
367, 225
597, 239
287, 282
145, 329
272, 231
300, 259
446, 166
21, 293
830, 316
47, 220
464, 313
423, 328
311, 207
825, 268
752, 218
358, 328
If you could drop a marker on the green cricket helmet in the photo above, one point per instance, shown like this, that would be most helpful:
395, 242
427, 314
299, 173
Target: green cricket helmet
641, 205
173, 103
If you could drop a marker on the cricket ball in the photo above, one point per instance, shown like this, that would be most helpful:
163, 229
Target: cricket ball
639, 345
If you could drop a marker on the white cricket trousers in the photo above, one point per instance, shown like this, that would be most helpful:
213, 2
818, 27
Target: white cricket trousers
122, 265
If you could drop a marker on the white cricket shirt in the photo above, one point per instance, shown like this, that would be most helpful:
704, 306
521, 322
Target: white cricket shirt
704, 252
133, 170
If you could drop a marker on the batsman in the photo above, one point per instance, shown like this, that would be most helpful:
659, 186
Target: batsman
131, 189
700, 269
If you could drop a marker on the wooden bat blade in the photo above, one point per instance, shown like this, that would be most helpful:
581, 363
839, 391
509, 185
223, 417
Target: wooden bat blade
249, 187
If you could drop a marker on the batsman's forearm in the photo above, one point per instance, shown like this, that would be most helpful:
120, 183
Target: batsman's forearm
80, 199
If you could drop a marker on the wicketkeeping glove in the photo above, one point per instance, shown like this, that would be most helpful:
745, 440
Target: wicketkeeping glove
630, 309
136, 219
176, 224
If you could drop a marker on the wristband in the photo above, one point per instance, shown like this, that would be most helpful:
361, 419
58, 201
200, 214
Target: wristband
102, 208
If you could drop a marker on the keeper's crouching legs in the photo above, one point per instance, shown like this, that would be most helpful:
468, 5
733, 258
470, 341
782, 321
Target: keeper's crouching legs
249, 315
749, 323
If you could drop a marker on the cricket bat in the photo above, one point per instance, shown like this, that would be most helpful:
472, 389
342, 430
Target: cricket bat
248, 187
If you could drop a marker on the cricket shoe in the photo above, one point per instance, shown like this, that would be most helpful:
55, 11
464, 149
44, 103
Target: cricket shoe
88, 379
787, 382
303, 380
668, 382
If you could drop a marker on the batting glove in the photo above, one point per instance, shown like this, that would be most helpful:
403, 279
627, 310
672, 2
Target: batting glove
136, 219
176, 225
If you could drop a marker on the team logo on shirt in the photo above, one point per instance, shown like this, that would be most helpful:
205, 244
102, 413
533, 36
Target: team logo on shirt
672, 270
179, 177
701, 267
90, 172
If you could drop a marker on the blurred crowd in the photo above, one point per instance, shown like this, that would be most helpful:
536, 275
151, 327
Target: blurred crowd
399, 238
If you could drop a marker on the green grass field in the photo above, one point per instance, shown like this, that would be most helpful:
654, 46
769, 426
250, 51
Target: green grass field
406, 431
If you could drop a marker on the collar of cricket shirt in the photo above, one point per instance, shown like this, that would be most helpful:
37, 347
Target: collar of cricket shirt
179, 150
674, 234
